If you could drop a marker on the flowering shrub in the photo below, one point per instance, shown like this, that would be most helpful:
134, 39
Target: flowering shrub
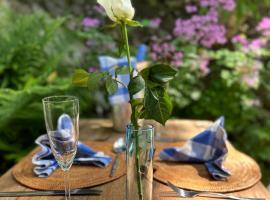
203, 29
219, 74
89, 31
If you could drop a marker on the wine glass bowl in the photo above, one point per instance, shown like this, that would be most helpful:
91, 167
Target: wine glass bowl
61, 115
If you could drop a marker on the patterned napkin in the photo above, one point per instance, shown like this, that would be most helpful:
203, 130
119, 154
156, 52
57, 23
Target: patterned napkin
44, 161
209, 147
107, 62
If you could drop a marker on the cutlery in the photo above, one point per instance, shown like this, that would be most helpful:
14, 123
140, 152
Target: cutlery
190, 194
118, 148
93, 192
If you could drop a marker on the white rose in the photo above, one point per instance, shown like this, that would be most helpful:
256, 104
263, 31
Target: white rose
118, 9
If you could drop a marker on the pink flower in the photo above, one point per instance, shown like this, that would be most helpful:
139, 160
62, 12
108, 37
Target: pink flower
88, 22
241, 39
177, 59
154, 56
264, 24
166, 52
203, 65
191, 8
257, 43
155, 23
90, 43
266, 33
203, 29
92, 69
252, 77
251, 80
99, 9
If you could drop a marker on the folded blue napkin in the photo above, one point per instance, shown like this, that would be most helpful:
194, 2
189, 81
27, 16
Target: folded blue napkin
208, 147
141, 52
44, 161
106, 64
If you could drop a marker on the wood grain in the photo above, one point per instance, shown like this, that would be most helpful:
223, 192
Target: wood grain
101, 130
80, 176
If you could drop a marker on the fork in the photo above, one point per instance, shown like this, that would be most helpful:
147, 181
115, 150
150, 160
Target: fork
190, 194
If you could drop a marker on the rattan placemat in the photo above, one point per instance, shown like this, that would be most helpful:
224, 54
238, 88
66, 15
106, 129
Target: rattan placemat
245, 172
80, 175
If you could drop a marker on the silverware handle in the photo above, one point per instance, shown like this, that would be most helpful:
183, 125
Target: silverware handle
227, 196
115, 164
50, 193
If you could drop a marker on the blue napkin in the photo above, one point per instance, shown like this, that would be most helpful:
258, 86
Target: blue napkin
141, 52
44, 161
208, 147
106, 64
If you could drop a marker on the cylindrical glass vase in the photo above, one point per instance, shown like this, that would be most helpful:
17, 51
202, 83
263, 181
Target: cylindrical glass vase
139, 156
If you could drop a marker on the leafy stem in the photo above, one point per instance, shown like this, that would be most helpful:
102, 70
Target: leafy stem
134, 119
155, 104
125, 35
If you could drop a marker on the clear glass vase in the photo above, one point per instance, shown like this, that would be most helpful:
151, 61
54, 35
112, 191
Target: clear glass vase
139, 155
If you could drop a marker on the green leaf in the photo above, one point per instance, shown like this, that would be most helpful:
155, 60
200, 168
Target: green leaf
136, 102
80, 78
133, 23
157, 105
121, 47
161, 73
110, 26
94, 79
137, 105
122, 70
136, 84
121, 42
111, 85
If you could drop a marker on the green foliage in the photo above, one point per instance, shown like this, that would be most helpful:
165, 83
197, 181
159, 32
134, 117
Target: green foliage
20, 114
35, 50
133, 23
136, 85
80, 78
153, 80
251, 8
99, 41
28, 47
160, 73
111, 85
122, 70
94, 79
157, 104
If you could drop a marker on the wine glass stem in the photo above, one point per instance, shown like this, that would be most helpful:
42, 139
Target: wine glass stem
67, 185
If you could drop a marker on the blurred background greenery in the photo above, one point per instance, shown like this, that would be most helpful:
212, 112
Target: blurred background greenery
225, 73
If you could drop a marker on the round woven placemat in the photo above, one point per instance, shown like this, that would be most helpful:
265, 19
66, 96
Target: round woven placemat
245, 172
80, 175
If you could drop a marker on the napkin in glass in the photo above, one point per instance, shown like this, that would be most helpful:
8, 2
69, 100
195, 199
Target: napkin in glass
208, 147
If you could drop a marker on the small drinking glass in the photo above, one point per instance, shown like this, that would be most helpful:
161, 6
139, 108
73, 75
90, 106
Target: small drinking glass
61, 115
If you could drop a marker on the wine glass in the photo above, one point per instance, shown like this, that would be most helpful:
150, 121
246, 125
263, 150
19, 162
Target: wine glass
61, 115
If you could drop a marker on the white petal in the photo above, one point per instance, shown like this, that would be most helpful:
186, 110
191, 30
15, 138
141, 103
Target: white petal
123, 9
107, 5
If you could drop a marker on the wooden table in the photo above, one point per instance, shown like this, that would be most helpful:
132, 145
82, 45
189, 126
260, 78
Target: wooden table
101, 130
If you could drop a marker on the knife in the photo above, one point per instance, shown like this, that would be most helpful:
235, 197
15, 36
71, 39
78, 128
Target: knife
93, 192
